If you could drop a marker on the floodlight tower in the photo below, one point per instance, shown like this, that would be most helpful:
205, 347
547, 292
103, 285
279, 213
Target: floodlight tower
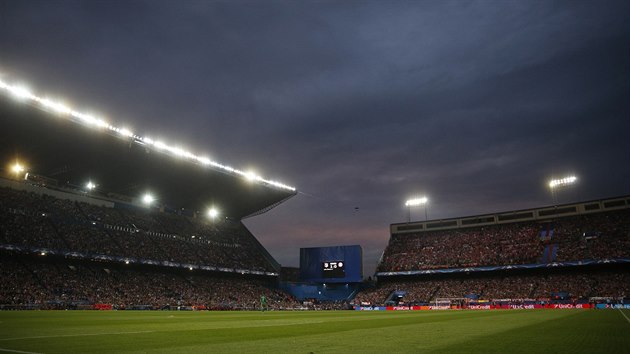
417, 202
557, 184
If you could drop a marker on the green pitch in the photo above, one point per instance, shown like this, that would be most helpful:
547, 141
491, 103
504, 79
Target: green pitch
507, 331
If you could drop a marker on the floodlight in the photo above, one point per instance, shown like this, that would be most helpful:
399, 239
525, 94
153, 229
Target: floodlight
17, 168
56, 106
562, 182
90, 185
23, 93
148, 199
251, 176
20, 92
125, 132
416, 201
213, 213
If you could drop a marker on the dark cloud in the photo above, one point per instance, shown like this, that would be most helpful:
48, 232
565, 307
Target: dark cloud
359, 103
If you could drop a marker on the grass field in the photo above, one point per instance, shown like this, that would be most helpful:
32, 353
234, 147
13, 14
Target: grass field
502, 331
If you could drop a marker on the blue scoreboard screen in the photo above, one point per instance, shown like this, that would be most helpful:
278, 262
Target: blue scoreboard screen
337, 264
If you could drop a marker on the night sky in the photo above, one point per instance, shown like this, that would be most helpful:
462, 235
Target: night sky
359, 104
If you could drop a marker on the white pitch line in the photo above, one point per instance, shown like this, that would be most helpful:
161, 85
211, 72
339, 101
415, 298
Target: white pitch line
624, 315
17, 351
75, 335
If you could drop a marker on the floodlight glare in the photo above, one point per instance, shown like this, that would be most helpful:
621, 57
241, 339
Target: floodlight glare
416, 201
562, 182
148, 199
20, 92
17, 168
90, 185
55, 106
213, 213
125, 132
23, 93
250, 176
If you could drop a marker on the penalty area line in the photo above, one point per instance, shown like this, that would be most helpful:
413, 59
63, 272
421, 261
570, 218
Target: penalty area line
17, 351
624, 315
75, 335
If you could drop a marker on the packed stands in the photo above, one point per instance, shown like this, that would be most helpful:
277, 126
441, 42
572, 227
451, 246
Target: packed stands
53, 249
38, 221
575, 238
60, 284
576, 285
573, 258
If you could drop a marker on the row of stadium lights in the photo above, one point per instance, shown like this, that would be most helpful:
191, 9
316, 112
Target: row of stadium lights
147, 199
553, 185
24, 94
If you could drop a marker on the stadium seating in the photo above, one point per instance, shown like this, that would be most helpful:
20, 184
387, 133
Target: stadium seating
39, 284
579, 286
35, 221
593, 236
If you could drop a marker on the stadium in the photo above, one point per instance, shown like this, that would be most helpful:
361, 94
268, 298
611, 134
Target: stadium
314, 176
90, 221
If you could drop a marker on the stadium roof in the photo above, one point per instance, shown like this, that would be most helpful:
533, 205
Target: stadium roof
53, 141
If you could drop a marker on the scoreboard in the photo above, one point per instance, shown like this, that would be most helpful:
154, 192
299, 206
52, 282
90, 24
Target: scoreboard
337, 264
334, 269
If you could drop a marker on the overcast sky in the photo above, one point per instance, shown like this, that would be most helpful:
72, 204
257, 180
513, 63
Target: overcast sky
359, 104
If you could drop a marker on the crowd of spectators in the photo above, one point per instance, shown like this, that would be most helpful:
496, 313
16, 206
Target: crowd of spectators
577, 285
38, 221
27, 283
591, 236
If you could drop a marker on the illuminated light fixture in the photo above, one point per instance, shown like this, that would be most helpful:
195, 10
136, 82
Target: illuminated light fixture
78, 117
90, 185
251, 176
416, 201
160, 145
204, 160
148, 199
55, 106
17, 168
562, 182
213, 213
20, 92
126, 261
125, 132
42, 253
